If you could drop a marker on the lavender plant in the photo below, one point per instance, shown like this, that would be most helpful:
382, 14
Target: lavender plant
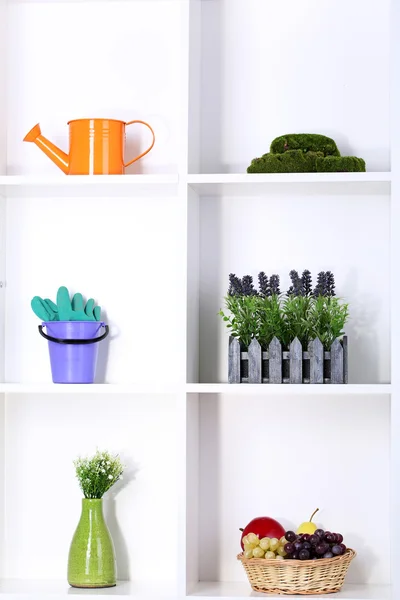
303, 312
269, 314
241, 302
96, 475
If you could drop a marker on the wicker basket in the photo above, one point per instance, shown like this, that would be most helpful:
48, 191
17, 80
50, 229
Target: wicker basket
322, 576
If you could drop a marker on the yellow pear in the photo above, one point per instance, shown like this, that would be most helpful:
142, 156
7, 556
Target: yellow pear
308, 526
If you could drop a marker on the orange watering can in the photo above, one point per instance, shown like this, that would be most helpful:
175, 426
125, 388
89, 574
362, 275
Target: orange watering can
96, 147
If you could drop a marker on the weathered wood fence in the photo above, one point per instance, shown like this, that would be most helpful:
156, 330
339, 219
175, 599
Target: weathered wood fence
313, 365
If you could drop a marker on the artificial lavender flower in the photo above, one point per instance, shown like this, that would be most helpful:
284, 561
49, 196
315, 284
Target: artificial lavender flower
307, 282
320, 288
247, 286
296, 289
330, 283
235, 285
263, 285
274, 285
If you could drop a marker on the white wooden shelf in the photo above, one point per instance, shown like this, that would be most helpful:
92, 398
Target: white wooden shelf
18, 588
88, 185
256, 184
288, 390
156, 251
90, 389
239, 590
196, 388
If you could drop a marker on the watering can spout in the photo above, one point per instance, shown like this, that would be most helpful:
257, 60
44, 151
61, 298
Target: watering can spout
58, 157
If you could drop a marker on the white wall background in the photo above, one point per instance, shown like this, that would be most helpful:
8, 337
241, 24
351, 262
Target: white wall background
44, 434
3, 66
271, 68
283, 458
78, 60
125, 252
347, 234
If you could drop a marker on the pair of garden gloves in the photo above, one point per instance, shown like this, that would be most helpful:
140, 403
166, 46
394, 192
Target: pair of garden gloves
65, 309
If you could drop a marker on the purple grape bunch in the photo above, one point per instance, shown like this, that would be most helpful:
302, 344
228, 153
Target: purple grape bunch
321, 544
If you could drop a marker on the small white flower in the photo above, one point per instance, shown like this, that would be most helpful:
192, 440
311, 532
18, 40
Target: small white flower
110, 477
103, 470
120, 477
108, 463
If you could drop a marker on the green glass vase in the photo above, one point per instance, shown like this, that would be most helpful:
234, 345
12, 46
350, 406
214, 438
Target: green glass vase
91, 561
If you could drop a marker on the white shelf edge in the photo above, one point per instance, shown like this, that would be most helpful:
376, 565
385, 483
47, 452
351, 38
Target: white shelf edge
20, 588
237, 178
87, 180
196, 388
288, 390
242, 590
89, 389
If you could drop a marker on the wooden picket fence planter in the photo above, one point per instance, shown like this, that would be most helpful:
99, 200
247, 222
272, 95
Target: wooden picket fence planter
313, 365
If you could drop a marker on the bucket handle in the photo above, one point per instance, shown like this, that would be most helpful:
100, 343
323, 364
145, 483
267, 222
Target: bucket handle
148, 149
76, 342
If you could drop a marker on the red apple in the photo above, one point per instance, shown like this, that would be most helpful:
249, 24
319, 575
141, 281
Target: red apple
263, 527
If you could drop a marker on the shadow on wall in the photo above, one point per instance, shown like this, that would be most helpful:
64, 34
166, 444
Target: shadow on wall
110, 511
211, 242
211, 84
210, 495
363, 339
103, 352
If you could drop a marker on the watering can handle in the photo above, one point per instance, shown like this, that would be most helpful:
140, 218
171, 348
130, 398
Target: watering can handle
148, 149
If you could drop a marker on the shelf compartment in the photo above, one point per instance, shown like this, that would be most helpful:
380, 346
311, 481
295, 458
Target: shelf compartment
278, 232
250, 448
42, 438
42, 86
243, 88
110, 250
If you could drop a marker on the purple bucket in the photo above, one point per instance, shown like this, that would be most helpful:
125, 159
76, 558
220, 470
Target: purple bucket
73, 349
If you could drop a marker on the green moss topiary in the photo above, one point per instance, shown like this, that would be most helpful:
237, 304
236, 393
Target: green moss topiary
306, 142
340, 164
292, 161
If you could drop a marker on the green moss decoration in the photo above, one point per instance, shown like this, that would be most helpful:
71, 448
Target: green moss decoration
305, 153
307, 142
292, 161
340, 164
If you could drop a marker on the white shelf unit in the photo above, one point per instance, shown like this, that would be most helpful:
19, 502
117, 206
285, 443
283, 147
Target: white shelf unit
218, 80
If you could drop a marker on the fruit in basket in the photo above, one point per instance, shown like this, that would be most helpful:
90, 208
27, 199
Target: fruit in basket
321, 544
274, 544
258, 552
264, 543
308, 527
252, 538
321, 548
281, 551
262, 527
290, 536
289, 548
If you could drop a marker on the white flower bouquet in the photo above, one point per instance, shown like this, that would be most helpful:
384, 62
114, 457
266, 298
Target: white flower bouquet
97, 474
